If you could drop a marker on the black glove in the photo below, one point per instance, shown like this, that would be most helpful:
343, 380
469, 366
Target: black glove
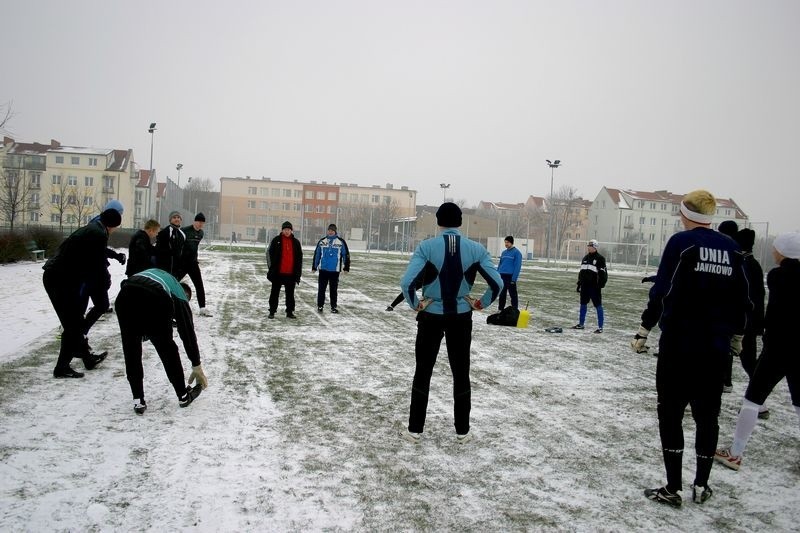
121, 258
578, 288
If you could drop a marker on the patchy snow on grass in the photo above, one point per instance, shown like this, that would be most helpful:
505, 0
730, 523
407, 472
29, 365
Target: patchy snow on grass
298, 427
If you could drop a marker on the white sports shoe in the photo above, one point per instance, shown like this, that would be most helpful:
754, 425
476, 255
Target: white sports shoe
205, 312
413, 438
463, 439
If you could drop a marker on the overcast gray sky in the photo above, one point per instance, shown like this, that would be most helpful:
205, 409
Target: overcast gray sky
644, 95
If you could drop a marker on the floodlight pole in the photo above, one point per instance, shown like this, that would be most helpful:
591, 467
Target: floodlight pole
444, 187
553, 166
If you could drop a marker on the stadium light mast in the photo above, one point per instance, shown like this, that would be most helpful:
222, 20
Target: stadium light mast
553, 166
444, 187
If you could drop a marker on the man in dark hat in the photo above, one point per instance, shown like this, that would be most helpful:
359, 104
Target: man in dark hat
592, 277
79, 261
445, 268
169, 246
331, 256
284, 268
191, 265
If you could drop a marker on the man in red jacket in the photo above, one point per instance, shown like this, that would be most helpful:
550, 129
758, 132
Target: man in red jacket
285, 266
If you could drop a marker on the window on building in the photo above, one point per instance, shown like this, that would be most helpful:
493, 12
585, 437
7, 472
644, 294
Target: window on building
55, 217
309, 195
72, 219
252, 191
652, 205
652, 221
88, 200
308, 208
332, 195
56, 179
663, 207
33, 216
286, 206
88, 181
75, 160
250, 232
55, 199
641, 220
138, 197
35, 200
376, 199
92, 161
72, 180
263, 191
251, 219
652, 237
36, 180
287, 193
251, 204
320, 209
297, 194
71, 200
108, 183
264, 205
60, 159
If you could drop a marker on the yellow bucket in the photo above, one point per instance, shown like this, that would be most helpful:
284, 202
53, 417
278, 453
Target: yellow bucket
524, 318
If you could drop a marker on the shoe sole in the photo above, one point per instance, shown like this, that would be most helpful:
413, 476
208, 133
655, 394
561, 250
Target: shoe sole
727, 464
655, 496
464, 440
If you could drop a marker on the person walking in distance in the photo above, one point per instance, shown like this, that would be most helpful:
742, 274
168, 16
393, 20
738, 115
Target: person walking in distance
191, 265
445, 267
331, 256
509, 267
284, 268
592, 277
147, 304
169, 246
780, 356
80, 260
141, 252
700, 301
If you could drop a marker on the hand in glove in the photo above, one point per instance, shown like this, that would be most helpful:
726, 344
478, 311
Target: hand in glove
474, 303
736, 345
199, 375
425, 302
121, 258
578, 288
639, 340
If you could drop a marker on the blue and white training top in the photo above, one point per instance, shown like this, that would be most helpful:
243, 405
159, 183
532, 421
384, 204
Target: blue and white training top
331, 254
510, 263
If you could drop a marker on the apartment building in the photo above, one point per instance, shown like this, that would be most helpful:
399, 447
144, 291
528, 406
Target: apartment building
254, 208
651, 217
65, 185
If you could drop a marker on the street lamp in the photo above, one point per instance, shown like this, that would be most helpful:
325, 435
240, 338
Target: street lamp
553, 166
444, 187
151, 130
178, 168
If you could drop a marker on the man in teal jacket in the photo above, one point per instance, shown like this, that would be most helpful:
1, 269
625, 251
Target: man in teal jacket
445, 267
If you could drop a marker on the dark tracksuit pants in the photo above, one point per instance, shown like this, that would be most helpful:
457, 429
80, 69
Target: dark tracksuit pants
100, 304
690, 377
326, 277
457, 332
288, 281
510, 288
65, 295
774, 364
193, 270
143, 313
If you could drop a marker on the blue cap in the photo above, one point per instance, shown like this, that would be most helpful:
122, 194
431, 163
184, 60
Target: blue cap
116, 205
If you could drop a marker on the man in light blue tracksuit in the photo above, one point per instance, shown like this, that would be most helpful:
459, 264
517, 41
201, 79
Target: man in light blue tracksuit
509, 267
330, 257
445, 268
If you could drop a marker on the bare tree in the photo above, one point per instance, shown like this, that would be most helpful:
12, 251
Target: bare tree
60, 198
566, 212
6, 114
16, 190
81, 203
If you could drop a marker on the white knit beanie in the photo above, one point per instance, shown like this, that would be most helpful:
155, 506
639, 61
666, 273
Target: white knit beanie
788, 244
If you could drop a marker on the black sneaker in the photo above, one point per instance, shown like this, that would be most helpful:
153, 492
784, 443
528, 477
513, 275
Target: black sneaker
319, 309
67, 372
334, 310
271, 315
290, 315
191, 394
577, 326
701, 496
662, 495
91, 360
763, 415
599, 330
139, 406
390, 308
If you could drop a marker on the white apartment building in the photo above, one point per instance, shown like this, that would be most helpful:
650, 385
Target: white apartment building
618, 215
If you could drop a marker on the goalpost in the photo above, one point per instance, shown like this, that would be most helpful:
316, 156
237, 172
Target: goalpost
629, 256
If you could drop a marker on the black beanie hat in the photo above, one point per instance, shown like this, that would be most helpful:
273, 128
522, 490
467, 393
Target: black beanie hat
199, 217
746, 239
729, 228
332, 227
448, 215
287, 224
111, 218
509, 238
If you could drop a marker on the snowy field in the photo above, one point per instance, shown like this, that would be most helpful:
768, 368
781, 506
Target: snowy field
297, 430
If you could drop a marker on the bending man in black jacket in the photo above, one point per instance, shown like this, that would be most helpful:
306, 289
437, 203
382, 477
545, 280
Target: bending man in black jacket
147, 304
141, 252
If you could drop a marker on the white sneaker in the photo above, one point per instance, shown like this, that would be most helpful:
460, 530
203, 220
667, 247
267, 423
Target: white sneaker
413, 438
463, 439
205, 312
